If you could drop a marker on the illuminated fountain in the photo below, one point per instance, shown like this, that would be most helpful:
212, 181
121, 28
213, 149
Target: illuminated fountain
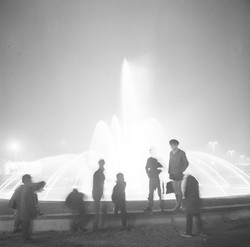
125, 147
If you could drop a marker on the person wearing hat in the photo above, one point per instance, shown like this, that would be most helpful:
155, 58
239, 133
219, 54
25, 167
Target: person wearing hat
178, 163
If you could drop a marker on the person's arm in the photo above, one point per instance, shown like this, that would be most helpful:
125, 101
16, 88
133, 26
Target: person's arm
159, 167
185, 161
147, 167
169, 163
37, 187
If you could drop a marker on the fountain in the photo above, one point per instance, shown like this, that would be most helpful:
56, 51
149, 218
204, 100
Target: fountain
125, 146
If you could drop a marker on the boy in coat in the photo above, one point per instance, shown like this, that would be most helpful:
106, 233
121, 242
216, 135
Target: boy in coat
119, 199
192, 204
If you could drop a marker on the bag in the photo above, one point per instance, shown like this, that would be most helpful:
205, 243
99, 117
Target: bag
169, 188
12, 203
176, 177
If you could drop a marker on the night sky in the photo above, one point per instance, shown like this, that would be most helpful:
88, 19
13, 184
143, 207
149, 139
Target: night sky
61, 62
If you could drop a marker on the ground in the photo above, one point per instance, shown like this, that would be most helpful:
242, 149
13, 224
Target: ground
220, 234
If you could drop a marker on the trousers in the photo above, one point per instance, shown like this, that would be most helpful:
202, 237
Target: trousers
154, 184
189, 224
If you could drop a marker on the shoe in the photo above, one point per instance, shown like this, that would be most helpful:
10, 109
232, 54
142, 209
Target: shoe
202, 234
82, 230
176, 209
186, 235
148, 209
126, 228
38, 213
28, 240
17, 231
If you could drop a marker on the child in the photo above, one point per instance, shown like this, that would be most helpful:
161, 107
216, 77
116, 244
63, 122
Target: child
118, 198
192, 204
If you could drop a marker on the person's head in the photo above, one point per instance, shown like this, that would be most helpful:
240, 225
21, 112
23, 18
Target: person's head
174, 144
101, 163
120, 177
26, 179
152, 151
75, 188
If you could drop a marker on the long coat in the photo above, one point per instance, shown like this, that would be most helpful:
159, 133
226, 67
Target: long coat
27, 203
192, 196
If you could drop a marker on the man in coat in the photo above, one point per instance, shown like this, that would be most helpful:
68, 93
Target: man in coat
27, 208
97, 192
14, 202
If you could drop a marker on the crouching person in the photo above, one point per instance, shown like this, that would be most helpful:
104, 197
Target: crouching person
119, 199
192, 204
75, 202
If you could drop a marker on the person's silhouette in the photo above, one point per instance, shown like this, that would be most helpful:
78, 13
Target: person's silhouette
97, 192
178, 163
153, 169
119, 199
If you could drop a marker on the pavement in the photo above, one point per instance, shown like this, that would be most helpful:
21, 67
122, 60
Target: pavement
229, 233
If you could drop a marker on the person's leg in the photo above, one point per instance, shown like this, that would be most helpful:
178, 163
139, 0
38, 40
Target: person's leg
124, 216
199, 223
189, 224
151, 193
74, 222
158, 186
17, 222
26, 224
117, 208
178, 193
104, 209
96, 212
83, 218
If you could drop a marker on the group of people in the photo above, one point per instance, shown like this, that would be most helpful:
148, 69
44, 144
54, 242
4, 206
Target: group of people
183, 186
25, 202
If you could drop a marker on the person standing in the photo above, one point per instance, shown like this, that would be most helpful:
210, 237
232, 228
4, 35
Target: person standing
97, 192
153, 169
14, 202
75, 202
192, 204
178, 163
27, 210
119, 199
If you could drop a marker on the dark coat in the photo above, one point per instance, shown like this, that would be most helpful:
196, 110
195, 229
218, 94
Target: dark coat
178, 163
27, 208
118, 195
75, 201
15, 198
98, 184
192, 201
152, 168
